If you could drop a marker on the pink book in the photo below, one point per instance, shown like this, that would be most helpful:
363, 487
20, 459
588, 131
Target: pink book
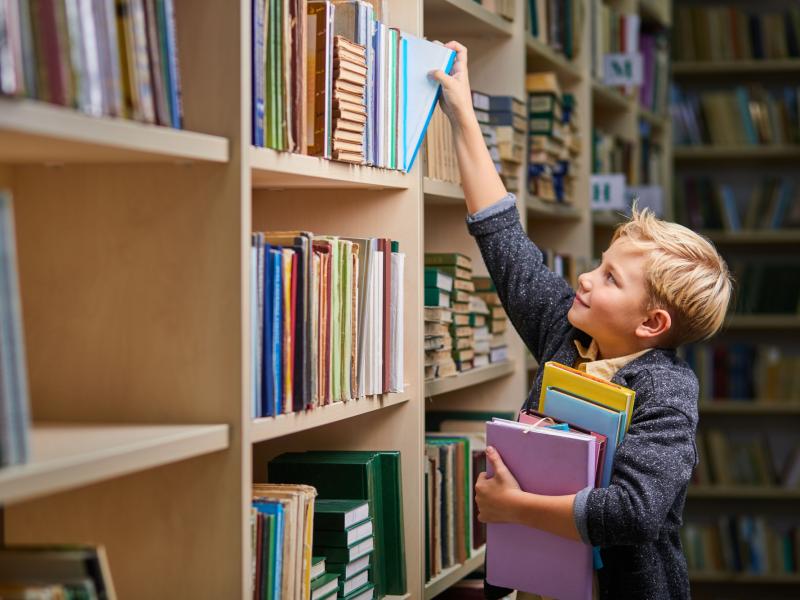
552, 463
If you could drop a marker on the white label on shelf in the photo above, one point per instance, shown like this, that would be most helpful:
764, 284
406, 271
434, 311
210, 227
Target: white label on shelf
608, 192
622, 69
649, 196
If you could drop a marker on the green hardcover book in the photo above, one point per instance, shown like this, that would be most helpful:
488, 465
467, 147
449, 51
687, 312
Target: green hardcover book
357, 581
317, 567
435, 259
332, 596
366, 592
436, 278
542, 125
346, 553
371, 476
543, 103
436, 297
477, 320
348, 570
344, 538
324, 585
455, 272
338, 515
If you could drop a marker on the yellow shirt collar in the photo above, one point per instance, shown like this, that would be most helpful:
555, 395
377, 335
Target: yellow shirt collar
605, 369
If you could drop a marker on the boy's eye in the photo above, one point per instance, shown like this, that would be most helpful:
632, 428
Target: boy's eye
610, 277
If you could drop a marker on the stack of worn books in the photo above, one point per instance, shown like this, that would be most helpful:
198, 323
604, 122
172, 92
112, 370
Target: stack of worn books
349, 108
496, 319
438, 343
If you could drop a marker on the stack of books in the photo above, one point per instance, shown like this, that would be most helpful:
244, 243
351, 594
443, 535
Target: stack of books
612, 154
105, 60
574, 437
281, 521
371, 476
496, 320
557, 24
349, 110
14, 402
502, 121
343, 537
438, 343
481, 337
441, 163
73, 571
327, 320
554, 139
612, 32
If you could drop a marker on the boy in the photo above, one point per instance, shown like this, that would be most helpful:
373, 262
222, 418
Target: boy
659, 286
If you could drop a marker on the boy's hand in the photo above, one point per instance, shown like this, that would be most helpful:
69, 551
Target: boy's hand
494, 494
456, 98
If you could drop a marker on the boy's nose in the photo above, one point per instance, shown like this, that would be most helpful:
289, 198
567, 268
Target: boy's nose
584, 281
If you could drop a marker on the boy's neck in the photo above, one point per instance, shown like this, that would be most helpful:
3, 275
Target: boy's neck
607, 351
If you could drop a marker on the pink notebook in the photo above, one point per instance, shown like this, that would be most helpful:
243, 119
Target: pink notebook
553, 463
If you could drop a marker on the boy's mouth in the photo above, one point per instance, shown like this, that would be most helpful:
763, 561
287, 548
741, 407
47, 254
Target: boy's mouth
580, 301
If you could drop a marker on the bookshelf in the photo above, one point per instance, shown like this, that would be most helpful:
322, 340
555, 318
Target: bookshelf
469, 378
454, 574
776, 417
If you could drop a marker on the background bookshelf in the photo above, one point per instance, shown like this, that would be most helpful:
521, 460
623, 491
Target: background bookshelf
731, 169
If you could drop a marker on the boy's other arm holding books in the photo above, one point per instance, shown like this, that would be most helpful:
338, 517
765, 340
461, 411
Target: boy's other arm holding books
536, 300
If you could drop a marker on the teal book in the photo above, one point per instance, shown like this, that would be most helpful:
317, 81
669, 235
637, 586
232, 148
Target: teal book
436, 278
436, 297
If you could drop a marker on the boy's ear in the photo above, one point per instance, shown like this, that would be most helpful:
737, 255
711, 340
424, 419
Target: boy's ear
658, 323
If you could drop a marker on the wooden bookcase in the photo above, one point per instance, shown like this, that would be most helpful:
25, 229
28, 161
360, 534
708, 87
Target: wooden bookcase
133, 244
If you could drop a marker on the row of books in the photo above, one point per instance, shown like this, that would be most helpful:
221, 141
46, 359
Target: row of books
714, 33
651, 156
563, 265
574, 435
742, 371
746, 459
746, 115
613, 32
504, 8
452, 531
558, 24
741, 544
705, 203
757, 295
440, 157
331, 79
55, 571
348, 537
612, 154
14, 400
503, 122
104, 58
327, 320
554, 139
654, 91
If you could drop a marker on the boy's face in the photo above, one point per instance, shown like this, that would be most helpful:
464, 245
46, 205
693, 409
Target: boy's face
610, 301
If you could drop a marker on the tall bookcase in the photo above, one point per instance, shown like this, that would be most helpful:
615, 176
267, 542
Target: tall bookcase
133, 245
779, 418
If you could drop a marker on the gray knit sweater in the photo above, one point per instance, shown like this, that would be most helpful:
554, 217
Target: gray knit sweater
636, 520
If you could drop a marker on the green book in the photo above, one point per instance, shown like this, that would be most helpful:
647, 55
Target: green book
317, 567
543, 103
454, 271
435, 278
435, 259
348, 570
440, 440
357, 581
322, 586
542, 125
364, 475
344, 538
347, 553
338, 515
436, 297
366, 592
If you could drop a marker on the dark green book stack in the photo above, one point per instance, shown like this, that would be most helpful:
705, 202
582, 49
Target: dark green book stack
373, 476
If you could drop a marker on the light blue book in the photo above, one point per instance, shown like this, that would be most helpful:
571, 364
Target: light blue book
587, 415
420, 92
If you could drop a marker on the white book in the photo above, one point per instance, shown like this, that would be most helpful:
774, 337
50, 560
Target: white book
355, 582
377, 323
346, 339
396, 371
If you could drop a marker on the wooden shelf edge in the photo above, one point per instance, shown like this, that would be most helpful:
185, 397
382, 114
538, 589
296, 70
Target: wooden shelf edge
551, 210
753, 152
454, 574
468, 18
734, 67
271, 169
67, 456
542, 53
269, 428
787, 236
655, 120
470, 378
442, 192
748, 408
607, 97
737, 578
38, 132
765, 322
742, 492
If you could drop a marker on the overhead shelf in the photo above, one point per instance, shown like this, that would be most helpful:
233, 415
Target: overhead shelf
735, 67
608, 98
456, 19
551, 210
754, 237
442, 192
541, 56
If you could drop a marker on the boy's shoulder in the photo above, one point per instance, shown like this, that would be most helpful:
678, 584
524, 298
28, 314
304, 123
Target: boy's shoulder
661, 378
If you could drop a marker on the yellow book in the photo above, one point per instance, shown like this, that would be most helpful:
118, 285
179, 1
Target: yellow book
287, 256
587, 386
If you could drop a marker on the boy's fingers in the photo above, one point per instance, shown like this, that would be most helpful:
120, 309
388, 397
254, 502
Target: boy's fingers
440, 76
460, 50
497, 462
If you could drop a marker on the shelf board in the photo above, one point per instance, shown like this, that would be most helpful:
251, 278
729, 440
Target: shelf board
463, 19
746, 578
766, 322
65, 456
742, 492
442, 192
270, 428
749, 408
607, 218
754, 152
656, 11
454, 574
654, 120
551, 210
37, 132
542, 56
735, 67
779, 236
283, 170
470, 378
610, 98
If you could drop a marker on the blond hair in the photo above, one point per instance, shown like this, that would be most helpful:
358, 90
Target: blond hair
684, 275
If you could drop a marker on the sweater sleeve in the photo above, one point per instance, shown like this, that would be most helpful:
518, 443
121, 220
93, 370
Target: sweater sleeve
536, 299
652, 465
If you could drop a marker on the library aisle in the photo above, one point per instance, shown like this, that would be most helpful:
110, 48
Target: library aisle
218, 286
